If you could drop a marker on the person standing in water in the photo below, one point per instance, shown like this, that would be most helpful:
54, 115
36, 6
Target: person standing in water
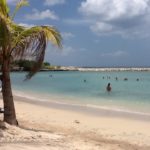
108, 88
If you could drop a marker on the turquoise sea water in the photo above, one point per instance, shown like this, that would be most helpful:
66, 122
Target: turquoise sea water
69, 87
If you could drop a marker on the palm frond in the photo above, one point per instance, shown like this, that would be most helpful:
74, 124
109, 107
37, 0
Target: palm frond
52, 35
16, 31
20, 4
4, 13
4, 36
31, 44
36, 52
4, 9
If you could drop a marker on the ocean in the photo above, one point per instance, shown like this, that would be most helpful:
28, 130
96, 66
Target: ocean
88, 89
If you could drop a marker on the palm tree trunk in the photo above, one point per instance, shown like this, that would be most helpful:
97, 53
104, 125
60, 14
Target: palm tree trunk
9, 108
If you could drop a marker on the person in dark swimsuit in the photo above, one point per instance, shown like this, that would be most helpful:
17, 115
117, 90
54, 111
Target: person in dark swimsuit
108, 88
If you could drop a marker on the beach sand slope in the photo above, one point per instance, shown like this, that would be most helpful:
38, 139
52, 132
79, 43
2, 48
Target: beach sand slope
43, 128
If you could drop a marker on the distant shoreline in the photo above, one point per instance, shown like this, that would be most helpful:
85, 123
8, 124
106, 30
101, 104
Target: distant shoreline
99, 69
94, 69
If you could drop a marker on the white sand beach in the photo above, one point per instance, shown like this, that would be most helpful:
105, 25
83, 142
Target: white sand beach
47, 128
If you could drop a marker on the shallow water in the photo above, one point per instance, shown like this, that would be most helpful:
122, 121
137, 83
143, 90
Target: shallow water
88, 89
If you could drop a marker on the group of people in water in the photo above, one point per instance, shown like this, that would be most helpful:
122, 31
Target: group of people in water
116, 78
108, 87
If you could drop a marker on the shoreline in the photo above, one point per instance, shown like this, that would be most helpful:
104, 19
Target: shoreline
78, 130
87, 109
97, 69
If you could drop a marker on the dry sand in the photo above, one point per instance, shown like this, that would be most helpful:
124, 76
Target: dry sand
47, 128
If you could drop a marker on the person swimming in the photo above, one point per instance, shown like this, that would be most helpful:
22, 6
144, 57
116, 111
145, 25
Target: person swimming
108, 88
84, 80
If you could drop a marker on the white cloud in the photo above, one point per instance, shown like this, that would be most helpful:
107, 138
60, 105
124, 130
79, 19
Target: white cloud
101, 27
114, 9
46, 14
67, 35
114, 54
26, 25
53, 2
67, 50
123, 17
77, 21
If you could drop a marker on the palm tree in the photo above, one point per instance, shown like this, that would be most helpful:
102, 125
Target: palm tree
18, 42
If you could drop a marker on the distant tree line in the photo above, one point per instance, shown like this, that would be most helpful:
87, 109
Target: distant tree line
26, 65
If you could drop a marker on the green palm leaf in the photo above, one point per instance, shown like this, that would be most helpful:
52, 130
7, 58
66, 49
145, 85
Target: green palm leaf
30, 43
20, 4
4, 9
18, 42
4, 37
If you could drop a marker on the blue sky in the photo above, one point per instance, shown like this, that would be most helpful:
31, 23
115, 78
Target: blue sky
99, 33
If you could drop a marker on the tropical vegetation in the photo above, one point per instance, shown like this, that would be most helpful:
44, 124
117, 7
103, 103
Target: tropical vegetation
27, 65
16, 43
